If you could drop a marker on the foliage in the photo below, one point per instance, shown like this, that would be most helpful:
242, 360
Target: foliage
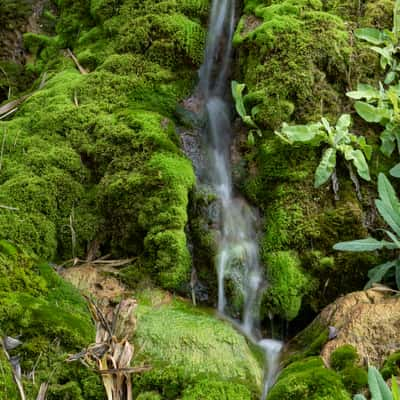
340, 140
381, 106
378, 387
237, 93
385, 43
388, 206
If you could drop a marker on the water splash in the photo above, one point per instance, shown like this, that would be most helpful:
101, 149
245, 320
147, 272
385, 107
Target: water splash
238, 253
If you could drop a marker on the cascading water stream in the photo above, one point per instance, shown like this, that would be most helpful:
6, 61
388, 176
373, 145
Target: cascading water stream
238, 252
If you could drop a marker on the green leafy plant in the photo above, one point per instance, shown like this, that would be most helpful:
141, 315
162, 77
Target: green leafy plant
381, 106
388, 206
339, 139
386, 44
378, 387
237, 94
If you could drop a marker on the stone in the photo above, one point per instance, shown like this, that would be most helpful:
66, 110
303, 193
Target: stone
185, 345
368, 320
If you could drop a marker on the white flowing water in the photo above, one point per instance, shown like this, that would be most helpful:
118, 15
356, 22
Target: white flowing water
238, 253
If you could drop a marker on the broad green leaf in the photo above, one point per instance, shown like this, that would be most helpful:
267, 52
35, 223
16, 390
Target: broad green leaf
255, 110
388, 194
346, 150
368, 244
388, 141
371, 113
250, 139
377, 273
366, 148
390, 77
393, 97
237, 93
389, 215
395, 389
395, 171
364, 91
371, 35
359, 397
393, 238
325, 167
326, 124
343, 122
361, 165
248, 121
377, 386
301, 133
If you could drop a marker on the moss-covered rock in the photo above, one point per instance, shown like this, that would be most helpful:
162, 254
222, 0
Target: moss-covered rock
186, 347
219, 390
298, 59
343, 357
308, 379
288, 284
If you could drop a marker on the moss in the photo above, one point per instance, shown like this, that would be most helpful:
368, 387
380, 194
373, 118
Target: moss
216, 391
354, 378
308, 342
391, 367
288, 284
343, 357
194, 348
149, 396
308, 379
301, 39
8, 388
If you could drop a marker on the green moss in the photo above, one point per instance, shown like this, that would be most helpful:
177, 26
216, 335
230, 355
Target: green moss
391, 367
8, 388
149, 396
195, 347
308, 379
217, 391
354, 378
343, 357
288, 284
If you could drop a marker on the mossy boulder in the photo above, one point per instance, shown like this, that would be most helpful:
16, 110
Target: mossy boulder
186, 346
308, 379
288, 284
219, 390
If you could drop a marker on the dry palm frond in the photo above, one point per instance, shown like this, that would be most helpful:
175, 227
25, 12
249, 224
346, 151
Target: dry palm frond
112, 353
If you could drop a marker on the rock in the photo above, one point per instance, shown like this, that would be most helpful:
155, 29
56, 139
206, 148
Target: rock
186, 345
368, 320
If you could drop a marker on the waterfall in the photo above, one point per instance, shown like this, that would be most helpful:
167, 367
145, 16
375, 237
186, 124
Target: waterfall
238, 253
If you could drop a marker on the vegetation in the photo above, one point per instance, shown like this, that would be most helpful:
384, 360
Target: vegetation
92, 167
378, 387
339, 139
388, 206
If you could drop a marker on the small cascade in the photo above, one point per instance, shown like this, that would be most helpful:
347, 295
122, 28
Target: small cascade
238, 253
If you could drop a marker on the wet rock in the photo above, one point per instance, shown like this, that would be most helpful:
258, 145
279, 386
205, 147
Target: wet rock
368, 320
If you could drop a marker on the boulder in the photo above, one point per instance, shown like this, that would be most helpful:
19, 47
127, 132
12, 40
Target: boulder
368, 320
186, 346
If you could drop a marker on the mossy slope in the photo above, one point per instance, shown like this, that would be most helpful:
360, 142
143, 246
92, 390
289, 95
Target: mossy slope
298, 59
